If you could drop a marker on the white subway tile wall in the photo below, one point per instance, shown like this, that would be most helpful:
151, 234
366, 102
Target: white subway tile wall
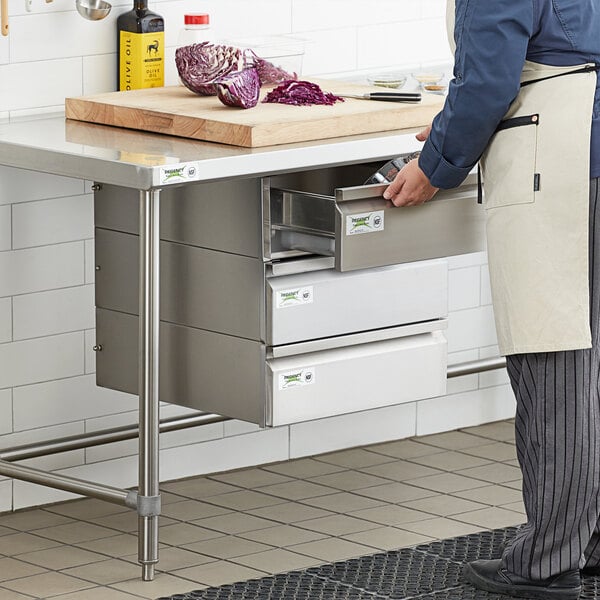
47, 365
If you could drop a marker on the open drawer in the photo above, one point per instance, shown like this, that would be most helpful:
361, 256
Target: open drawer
358, 227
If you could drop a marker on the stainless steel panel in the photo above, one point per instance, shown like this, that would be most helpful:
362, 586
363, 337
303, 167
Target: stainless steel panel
200, 369
340, 381
327, 303
200, 288
223, 216
353, 339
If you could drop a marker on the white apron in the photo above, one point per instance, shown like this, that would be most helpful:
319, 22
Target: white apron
536, 182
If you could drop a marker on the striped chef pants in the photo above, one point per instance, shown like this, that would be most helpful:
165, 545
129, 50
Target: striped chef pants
557, 430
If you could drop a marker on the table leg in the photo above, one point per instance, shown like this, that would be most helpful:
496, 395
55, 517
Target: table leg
148, 365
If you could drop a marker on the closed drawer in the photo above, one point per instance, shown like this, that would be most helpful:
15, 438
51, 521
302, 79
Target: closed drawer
361, 229
365, 376
201, 288
328, 303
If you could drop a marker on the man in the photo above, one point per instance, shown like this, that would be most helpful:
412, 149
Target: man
558, 392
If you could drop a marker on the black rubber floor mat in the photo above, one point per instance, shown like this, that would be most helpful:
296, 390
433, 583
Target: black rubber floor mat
425, 572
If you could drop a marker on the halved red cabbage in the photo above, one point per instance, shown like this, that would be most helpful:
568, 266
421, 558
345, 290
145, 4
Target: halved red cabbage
240, 88
300, 93
200, 65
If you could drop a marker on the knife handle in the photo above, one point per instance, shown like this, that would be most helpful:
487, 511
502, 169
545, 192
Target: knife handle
395, 99
396, 95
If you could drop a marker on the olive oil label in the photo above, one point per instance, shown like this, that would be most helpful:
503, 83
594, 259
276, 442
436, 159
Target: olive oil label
305, 376
141, 63
295, 297
365, 223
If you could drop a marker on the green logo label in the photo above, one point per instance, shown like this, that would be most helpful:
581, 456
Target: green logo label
290, 296
170, 173
360, 222
292, 379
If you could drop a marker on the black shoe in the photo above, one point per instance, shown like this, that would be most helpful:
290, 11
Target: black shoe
591, 571
490, 576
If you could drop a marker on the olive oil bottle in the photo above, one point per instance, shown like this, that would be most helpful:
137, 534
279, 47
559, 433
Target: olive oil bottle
141, 48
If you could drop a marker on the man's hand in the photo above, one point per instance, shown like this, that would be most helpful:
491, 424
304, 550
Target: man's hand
410, 186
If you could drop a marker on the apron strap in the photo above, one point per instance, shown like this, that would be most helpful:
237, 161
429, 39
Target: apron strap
586, 69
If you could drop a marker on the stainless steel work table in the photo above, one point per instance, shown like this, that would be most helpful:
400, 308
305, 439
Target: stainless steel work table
148, 162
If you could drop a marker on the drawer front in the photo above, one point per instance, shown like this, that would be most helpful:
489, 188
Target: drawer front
202, 370
223, 216
345, 380
362, 230
200, 288
327, 303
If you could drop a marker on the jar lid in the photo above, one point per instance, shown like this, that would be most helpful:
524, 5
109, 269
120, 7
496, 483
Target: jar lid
196, 19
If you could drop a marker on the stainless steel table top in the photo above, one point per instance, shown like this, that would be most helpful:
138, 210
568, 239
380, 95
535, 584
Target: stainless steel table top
145, 160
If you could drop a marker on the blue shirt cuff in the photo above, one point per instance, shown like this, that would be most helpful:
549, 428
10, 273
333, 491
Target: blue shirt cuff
439, 171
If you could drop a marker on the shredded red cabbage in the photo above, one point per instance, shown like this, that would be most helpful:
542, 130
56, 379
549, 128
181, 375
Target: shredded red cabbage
241, 88
200, 65
300, 93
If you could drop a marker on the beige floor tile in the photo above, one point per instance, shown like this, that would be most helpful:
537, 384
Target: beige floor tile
189, 510
515, 485
19, 543
115, 546
163, 585
453, 440
494, 495
401, 470
219, 573
73, 533
496, 451
46, 585
61, 557
390, 515
7, 531
289, 512
395, 492
354, 458
338, 524
516, 506
343, 502
451, 461
403, 449
171, 559
245, 500
283, 535
251, 478
198, 487
296, 489
440, 528
169, 498
349, 480
98, 593
10, 595
228, 546
499, 430
13, 569
127, 522
87, 508
235, 522
387, 538
106, 572
514, 462
492, 473
447, 482
443, 505
32, 519
186, 533
332, 549
490, 518
303, 468
277, 561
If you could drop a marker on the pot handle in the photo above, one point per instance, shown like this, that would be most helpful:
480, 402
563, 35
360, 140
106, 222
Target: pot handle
4, 17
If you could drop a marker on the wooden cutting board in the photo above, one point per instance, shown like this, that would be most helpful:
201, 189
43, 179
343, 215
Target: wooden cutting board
177, 111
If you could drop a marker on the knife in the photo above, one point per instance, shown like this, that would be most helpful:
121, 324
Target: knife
386, 96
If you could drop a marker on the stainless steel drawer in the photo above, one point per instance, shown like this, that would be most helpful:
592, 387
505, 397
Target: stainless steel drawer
233, 377
361, 229
326, 303
202, 288
365, 376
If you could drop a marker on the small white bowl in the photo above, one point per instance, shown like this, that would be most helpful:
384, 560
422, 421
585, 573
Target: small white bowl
387, 80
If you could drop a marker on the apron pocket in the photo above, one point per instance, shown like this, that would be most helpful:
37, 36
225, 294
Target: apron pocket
509, 163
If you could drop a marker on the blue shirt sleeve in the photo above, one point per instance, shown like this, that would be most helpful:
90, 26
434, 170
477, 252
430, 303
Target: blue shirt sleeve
491, 46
